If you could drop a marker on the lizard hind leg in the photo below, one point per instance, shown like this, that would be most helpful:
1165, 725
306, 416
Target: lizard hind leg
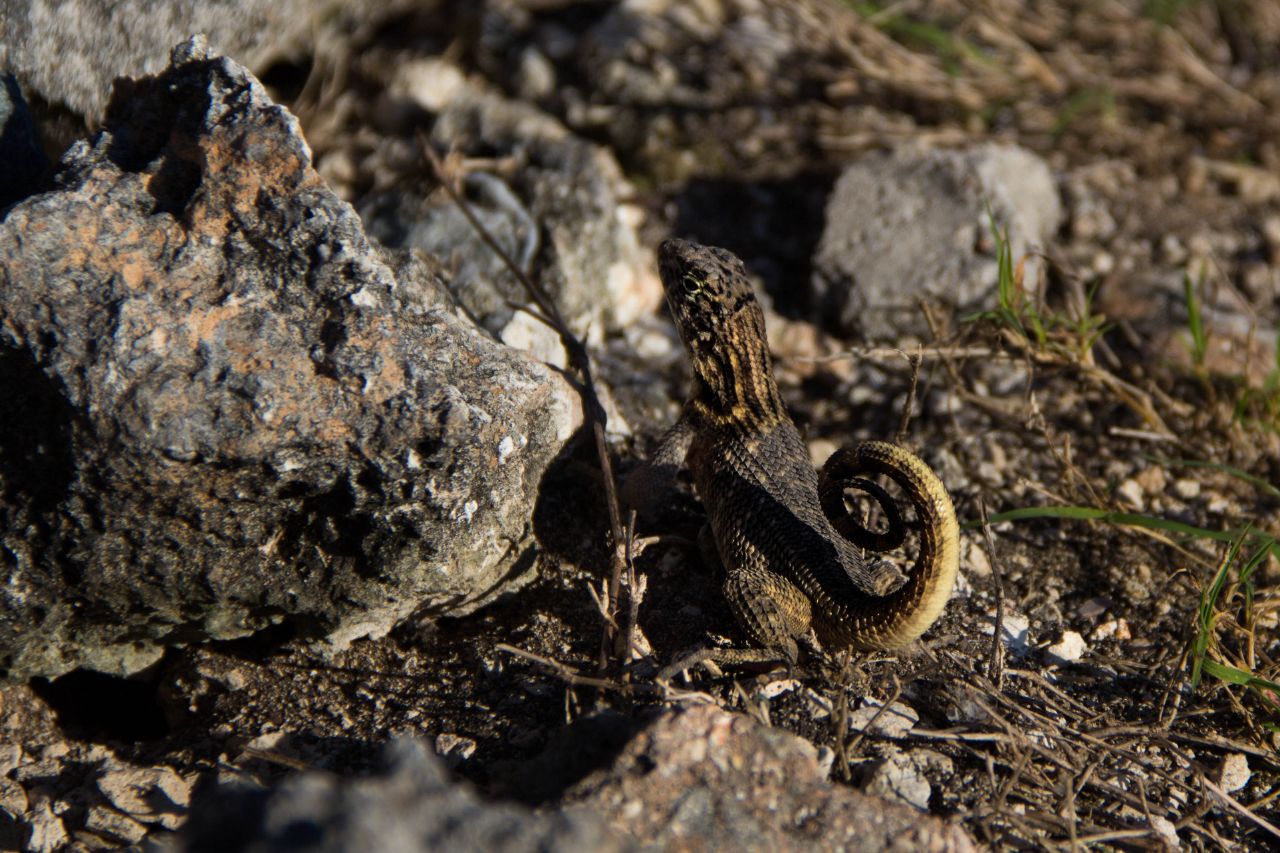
772, 610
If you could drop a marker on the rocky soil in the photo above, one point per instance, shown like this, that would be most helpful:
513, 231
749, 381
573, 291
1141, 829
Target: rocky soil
303, 528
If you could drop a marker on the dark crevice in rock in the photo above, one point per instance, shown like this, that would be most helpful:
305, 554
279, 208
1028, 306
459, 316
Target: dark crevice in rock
36, 460
174, 184
101, 708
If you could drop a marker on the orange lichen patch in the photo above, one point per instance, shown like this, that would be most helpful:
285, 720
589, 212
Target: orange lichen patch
333, 430
390, 378
133, 274
277, 171
203, 323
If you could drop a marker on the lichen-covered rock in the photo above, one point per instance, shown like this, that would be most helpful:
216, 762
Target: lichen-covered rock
912, 225
225, 409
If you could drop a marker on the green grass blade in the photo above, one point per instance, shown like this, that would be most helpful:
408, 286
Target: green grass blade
1234, 675
1129, 519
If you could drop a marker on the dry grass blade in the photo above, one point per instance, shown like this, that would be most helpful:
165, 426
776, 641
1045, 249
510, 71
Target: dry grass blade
568, 674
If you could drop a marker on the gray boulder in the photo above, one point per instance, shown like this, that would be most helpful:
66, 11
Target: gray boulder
225, 409
71, 50
911, 225
410, 807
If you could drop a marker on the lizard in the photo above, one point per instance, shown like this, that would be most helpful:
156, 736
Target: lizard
788, 546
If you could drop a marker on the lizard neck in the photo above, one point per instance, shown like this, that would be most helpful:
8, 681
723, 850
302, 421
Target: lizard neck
734, 386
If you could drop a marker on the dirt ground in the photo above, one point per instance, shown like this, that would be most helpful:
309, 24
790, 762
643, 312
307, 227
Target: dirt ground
1125, 459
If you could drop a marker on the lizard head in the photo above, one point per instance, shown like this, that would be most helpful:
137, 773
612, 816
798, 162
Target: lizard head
721, 324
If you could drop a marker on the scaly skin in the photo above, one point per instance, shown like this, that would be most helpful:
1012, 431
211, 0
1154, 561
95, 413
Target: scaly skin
782, 533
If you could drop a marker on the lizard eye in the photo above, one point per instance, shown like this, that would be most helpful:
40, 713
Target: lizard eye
692, 286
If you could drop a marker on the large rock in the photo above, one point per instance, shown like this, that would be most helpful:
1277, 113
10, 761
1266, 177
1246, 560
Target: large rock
914, 225
694, 779
702, 778
71, 50
225, 409
410, 807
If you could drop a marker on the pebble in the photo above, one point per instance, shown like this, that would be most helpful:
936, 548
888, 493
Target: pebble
1131, 491
976, 561
1112, 628
13, 798
1095, 606
895, 722
150, 794
1152, 480
774, 689
1015, 631
820, 449
47, 833
1167, 832
902, 776
1067, 650
107, 822
454, 749
1186, 488
1234, 773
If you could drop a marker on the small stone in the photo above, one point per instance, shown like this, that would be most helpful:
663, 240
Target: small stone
1131, 491
13, 798
47, 832
774, 689
454, 749
1152, 480
111, 824
1067, 650
150, 794
1234, 773
894, 722
529, 334
1112, 629
976, 561
10, 757
1095, 606
897, 778
1015, 631
430, 83
826, 760
651, 344
989, 473
1186, 488
1167, 832
537, 76
1271, 232
903, 776
1172, 249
